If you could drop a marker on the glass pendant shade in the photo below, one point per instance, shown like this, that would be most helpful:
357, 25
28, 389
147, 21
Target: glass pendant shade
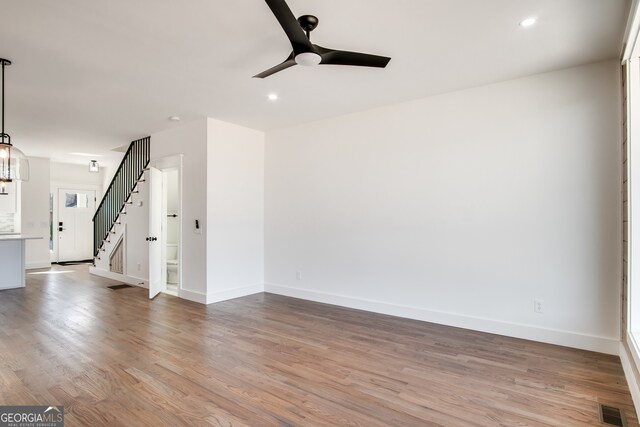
14, 165
94, 166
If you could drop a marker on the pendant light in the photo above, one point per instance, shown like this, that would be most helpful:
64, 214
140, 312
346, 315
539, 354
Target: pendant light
14, 165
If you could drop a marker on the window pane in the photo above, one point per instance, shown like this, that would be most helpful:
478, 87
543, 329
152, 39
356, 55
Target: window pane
70, 200
76, 200
83, 201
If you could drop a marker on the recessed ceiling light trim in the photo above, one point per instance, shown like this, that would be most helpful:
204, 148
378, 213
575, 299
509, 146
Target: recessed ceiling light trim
273, 97
174, 118
528, 22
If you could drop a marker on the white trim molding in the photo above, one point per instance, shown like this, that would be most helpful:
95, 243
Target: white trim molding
193, 296
234, 293
492, 326
630, 373
130, 280
37, 265
631, 31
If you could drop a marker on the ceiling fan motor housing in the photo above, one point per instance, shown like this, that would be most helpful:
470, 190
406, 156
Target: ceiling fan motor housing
308, 22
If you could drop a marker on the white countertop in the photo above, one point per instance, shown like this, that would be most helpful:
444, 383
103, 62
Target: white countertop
17, 237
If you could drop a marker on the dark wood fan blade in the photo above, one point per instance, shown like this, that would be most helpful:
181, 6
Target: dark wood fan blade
289, 62
343, 57
299, 40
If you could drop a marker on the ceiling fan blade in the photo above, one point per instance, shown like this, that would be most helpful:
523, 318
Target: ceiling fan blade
289, 62
299, 40
343, 57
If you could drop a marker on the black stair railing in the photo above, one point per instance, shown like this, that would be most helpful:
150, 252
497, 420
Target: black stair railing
122, 185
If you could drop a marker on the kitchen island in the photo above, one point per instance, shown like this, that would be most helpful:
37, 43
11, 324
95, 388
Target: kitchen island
12, 260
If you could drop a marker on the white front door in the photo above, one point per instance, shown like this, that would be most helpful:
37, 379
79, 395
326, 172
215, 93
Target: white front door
155, 232
75, 228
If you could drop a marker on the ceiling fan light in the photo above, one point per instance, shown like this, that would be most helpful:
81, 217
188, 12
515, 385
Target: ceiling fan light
308, 59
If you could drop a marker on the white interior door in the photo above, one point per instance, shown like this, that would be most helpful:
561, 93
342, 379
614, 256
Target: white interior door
155, 232
75, 228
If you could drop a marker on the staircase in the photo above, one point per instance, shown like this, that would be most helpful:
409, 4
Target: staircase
118, 195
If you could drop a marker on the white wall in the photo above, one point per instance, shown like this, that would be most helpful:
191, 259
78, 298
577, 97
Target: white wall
460, 208
67, 173
106, 174
190, 140
35, 213
235, 211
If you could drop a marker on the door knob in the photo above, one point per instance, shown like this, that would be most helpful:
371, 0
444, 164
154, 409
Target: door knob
151, 239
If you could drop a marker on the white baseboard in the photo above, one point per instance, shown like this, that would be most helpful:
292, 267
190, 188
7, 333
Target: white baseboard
516, 330
234, 293
194, 296
37, 265
130, 280
630, 375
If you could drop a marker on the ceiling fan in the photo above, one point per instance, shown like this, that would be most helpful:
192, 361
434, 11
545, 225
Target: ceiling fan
306, 53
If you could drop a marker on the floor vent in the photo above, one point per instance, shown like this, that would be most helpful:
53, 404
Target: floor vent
611, 416
116, 287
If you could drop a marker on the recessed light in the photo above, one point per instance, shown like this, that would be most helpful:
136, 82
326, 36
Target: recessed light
174, 118
273, 97
528, 22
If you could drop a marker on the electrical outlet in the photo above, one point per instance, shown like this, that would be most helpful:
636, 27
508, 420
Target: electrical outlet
299, 275
538, 306
139, 266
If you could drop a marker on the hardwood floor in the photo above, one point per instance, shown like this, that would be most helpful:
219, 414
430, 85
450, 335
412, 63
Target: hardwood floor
116, 358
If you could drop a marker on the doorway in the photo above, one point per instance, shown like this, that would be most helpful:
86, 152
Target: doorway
74, 224
165, 224
171, 231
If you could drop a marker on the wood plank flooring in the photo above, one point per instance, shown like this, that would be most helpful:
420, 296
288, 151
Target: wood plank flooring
115, 358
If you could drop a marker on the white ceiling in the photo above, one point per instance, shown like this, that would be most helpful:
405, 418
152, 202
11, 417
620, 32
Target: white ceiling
89, 76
